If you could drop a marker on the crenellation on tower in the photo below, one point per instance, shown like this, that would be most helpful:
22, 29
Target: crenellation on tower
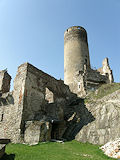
77, 32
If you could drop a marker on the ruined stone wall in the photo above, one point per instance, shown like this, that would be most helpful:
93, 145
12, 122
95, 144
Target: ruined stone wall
36, 102
35, 91
105, 70
87, 80
31, 103
12, 108
94, 79
41, 107
9, 119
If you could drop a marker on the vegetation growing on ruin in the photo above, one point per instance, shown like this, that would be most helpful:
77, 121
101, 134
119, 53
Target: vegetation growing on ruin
104, 90
54, 151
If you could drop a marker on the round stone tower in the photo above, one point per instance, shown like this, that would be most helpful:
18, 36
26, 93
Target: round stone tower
76, 53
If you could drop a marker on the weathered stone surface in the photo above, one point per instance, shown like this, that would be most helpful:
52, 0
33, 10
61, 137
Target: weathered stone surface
29, 101
10, 124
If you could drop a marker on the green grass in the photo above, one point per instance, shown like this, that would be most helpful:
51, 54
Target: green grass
104, 90
72, 150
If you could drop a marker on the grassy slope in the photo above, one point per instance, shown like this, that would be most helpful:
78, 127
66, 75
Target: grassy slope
104, 90
54, 151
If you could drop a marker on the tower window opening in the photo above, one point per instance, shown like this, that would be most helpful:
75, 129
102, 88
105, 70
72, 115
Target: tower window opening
49, 96
79, 85
1, 117
85, 61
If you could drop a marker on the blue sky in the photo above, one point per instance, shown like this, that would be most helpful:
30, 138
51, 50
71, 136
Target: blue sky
33, 31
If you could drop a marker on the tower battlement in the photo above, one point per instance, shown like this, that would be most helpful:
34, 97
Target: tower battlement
75, 32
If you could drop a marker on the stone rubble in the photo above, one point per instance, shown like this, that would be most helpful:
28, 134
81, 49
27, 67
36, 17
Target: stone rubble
112, 149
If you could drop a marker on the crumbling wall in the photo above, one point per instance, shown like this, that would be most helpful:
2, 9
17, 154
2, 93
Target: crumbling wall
5, 79
87, 80
12, 108
90, 79
105, 70
9, 118
35, 92
39, 105
29, 101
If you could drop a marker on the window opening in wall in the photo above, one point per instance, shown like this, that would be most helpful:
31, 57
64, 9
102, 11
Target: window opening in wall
85, 61
78, 85
49, 96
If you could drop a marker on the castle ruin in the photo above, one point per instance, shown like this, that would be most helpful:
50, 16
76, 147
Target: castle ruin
78, 74
40, 107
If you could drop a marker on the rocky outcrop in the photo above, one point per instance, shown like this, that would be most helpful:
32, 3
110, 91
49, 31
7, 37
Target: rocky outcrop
106, 124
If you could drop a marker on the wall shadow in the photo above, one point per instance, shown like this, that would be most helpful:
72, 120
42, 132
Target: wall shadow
76, 117
8, 157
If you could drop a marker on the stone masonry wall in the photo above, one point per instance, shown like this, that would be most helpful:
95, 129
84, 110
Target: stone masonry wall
35, 90
45, 105
12, 108
36, 107
29, 102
